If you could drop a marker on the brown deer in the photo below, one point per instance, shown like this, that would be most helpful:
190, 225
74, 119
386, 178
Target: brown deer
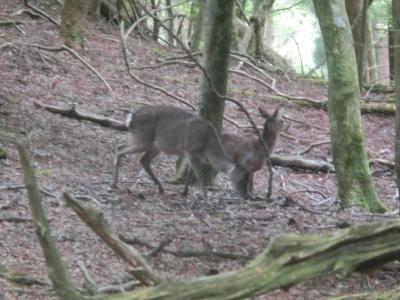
248, 152
172, 130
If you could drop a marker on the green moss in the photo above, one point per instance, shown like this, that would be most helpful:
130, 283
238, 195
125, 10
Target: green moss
3, 153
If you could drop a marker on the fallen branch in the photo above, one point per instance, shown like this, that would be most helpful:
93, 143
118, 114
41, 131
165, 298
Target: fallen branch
290, 259
95, 220
42, 13
74, 113
383, 162
55, 267
301, 163
186, 253
76, 55
313, 145
15, 220
20, 278
10, 23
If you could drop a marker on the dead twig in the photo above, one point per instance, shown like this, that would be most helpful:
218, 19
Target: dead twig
10, 23
15, 219
42, 13
76, 55
95, 220
55, 266
313, 145
75, 113
20, 278
89, 284
186, 253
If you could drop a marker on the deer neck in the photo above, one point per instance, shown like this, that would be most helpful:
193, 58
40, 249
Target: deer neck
270, 137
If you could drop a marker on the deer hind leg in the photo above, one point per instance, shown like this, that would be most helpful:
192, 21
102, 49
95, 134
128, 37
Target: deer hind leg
145, 161
250, 183
195, 165
189, 176
120, 152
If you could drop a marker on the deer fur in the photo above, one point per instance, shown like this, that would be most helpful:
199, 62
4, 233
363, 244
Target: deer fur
248, 152
175, 131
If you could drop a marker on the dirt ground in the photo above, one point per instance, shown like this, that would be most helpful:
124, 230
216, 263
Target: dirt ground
77, 157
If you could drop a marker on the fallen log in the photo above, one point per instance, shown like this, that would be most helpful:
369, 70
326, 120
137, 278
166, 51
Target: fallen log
74, 113
297, 162
288, 260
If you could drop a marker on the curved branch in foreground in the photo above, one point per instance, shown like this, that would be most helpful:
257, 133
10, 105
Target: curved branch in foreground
54, 264
288, 260
95, 220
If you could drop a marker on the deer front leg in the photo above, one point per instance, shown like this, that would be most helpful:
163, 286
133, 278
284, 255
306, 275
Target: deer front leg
195, 166
120, 152
145, 161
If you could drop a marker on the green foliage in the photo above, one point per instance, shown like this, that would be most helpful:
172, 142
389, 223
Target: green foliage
45, 172
319, 50
380, 10
3, 153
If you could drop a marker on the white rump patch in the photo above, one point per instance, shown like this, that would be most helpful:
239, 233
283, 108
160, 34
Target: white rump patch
128, 119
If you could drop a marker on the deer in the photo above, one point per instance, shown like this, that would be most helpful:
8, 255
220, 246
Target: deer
248, 152
175, 131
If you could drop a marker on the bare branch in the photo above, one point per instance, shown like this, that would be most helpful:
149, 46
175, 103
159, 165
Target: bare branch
74, 53
95, 220
55, 266
42, 13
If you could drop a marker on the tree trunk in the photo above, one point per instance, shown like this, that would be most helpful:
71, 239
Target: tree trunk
261, 9
218, 36
396, 53
355, 11
371, 55
354, 182
156, 25
391, 50
217, 23
72, 23
93, 8
170, 22
197, 34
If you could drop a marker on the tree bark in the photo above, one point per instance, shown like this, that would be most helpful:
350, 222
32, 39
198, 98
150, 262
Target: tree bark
54, 264
170, 14
357, 14
72, 23
396, 53
288, 260
218, 36
197, 34
354, 182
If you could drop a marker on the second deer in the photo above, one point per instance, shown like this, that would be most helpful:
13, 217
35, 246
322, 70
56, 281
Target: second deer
248, 152
172, 130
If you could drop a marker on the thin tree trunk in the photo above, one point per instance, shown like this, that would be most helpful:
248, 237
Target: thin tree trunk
72, 23
156, 25
354, 182
356, 11
170, 21
197, 25
396, 53
371, 54
218, 36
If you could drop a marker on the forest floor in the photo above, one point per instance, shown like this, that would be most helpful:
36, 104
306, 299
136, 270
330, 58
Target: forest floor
75, 156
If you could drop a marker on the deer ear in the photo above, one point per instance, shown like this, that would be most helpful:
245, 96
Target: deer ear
263, 113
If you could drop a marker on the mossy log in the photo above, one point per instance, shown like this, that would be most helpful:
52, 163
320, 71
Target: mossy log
366, 107
288, 260
20, 278
3, 153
